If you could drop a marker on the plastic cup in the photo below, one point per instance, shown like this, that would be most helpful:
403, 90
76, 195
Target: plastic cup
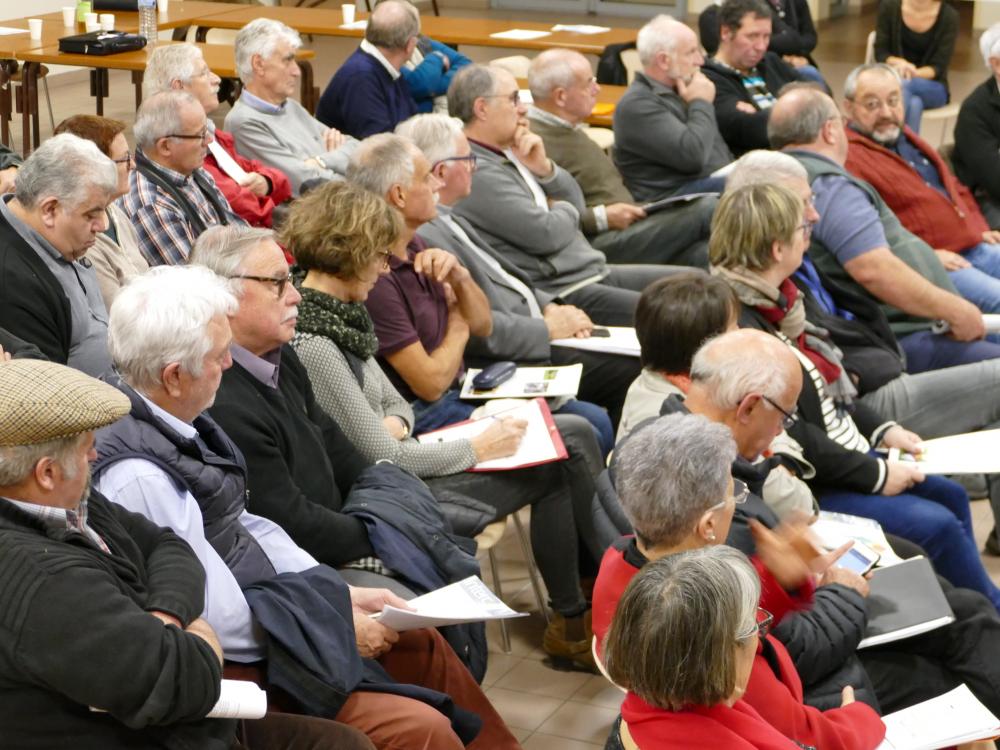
92, 27
91, 18
35, 28
107, 21
69, 17
163, 6
348, 9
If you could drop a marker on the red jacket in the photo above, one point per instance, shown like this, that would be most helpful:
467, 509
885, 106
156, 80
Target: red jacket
773, 693
945, 223
255, 209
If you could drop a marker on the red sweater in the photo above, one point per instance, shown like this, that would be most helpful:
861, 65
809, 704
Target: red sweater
255, 209
945, 223
773, 695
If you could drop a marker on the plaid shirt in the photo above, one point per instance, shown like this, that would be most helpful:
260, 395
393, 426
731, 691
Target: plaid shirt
62, 518
165, 234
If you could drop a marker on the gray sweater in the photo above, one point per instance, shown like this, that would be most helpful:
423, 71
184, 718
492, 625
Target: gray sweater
359, 411
286, 140
662, 142
545, 243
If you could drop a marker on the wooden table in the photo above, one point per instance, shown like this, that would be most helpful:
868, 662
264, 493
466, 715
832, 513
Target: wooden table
219, 58
453, 31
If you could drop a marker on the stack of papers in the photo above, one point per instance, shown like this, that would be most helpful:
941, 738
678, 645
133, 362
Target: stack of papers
950, 719
969, 453
619, 340
530, 382
541, 443
520, 34
238, 699
466, 601
360, 25
833, 529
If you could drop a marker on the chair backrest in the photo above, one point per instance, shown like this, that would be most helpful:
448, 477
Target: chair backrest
870, 48
630, 59
516, 65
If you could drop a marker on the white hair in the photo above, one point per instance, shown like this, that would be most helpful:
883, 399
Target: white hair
762, 167
260, 37
738, 363
851, 82
224, 249
381, 161
434, 134
169, 63
67, 168
659, 35
989, 43
551, 70
162, 317
160, 115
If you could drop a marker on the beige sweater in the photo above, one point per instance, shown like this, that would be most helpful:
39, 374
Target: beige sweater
116, 264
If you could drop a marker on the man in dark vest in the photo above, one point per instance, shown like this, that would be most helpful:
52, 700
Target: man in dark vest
171, 198
859, 243
170, 339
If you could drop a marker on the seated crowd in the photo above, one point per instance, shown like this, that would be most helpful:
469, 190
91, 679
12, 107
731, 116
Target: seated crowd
217, 355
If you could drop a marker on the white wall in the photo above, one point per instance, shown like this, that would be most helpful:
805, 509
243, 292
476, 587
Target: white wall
18, 8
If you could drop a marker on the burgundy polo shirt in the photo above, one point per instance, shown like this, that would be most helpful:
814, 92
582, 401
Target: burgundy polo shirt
407, 307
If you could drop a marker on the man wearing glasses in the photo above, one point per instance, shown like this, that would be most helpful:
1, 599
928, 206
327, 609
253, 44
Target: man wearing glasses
171, 198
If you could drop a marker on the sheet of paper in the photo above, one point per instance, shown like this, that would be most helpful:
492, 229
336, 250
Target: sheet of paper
520, 34
226, 163
968, 453
622, 340
239, 699
525, 96
581, 28
530, 382
833, 529
539, 444
465, 601
950, 719
361, 25
8, 31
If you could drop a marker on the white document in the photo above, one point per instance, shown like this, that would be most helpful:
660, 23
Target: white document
525, 96
969, 453
238, 699
541, 443
833, 529
360, 25
8, 31
520, 34
465, 601
227, 163
990, 322
950, 719
581, 28
530, 382
621, 340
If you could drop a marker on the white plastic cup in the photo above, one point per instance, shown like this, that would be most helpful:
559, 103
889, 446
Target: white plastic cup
91, 18
91, 27
35, 28
107, 21
69, 17
163, 6
348, 9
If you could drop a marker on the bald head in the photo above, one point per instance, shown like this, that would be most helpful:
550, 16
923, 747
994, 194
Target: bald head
562, 82
805, 117
393, 25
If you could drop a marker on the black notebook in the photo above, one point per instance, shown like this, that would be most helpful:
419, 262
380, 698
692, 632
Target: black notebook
905, 600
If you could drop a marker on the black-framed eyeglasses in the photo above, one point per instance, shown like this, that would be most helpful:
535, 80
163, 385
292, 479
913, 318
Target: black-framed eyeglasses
127, 159
469, 159
740, 494
202, 136
280, 283
762, 625
789, 418
514, 98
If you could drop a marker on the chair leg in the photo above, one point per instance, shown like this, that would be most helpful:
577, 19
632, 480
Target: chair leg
529, 558
504, 635
48, 100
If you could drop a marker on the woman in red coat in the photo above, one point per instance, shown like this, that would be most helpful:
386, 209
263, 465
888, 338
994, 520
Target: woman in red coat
684, 643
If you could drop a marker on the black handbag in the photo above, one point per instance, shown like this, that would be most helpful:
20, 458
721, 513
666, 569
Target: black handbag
101, 43
126, 6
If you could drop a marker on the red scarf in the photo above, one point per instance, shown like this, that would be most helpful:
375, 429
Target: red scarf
774, 316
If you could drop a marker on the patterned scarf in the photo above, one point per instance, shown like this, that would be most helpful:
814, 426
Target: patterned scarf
347, 324
783, 307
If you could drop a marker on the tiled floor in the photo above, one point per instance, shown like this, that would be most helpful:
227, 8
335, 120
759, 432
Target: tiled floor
547, 709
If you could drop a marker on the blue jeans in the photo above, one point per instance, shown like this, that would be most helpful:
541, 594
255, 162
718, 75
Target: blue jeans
920, 94
926, 351
981, 283
934, 514
449, 409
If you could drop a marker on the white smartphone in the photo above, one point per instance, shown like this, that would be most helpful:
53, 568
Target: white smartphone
860, 558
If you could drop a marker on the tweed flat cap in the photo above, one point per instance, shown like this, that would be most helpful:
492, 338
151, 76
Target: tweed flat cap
42, 401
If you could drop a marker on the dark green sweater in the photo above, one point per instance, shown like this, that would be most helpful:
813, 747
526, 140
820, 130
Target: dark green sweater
75, 632
300, 463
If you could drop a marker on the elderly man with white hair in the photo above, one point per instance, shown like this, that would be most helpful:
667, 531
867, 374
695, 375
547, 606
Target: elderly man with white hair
269, 125
49, 294
977, 132
171, 198
564, 91
252, 189
667, 140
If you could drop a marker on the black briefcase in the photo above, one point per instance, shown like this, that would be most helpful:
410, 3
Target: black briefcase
101, 43
122, 5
